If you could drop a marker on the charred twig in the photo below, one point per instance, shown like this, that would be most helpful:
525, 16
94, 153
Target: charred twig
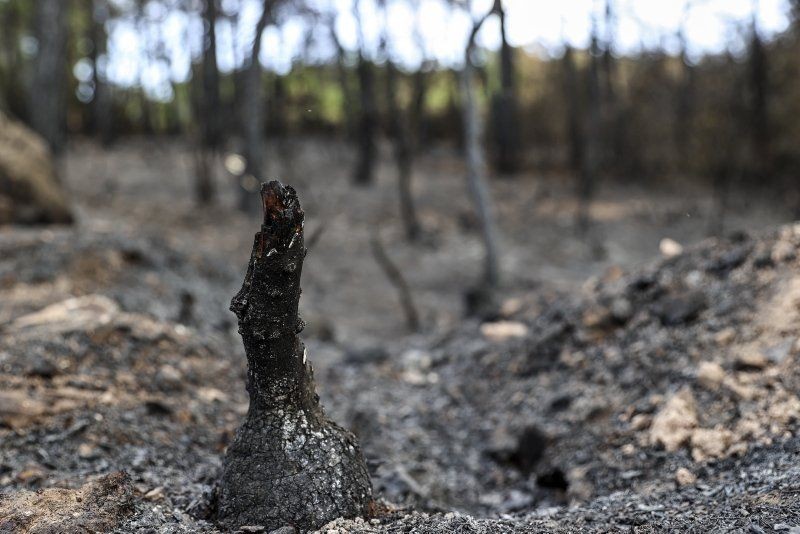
396, 278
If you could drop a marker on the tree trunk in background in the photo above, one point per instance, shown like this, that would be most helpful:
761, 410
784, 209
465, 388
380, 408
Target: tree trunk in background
252, 109
47, 96
685, 107
476, 170
589, 172
504, 105
612, 118
403, 155
419, 96
759, 87
344, 84
574, 130
210, 115
101, 102
367, 124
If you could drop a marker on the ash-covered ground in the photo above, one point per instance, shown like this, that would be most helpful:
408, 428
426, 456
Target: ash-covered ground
653, 397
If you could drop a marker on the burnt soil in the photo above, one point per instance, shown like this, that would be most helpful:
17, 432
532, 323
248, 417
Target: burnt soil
609, 392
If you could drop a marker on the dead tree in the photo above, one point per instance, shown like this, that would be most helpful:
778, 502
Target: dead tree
759, 95
505, 110
343, 78
475, 160
368, 113
685, 100
210, 115
48, 85
288, 464
591, 139
101, 113
401, 142
252, 114
574, 129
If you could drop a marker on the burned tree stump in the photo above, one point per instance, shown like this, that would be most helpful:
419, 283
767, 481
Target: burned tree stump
288, 464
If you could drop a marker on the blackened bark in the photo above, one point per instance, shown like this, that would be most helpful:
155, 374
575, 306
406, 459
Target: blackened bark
367, 123
504, 105
210, 109
48, 91
403, 155
759, 83
252, 114
589, 173
288, 464
101, 115
574, 130
476, 166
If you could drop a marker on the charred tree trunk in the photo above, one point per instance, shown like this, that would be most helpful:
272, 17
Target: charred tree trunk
47, 104
252, 116
759, 83
588, 175
504, 105
288, 464
476, 168
344, 83
685, 106
210, 110
101, 113
367, 124
403, 155
574, 130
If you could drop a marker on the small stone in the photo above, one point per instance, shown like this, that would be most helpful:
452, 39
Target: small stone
670, 248
710, 375
725, 336
673, 425
680, 309
154, 494
621, 310
503, 330
750, 361
684, 477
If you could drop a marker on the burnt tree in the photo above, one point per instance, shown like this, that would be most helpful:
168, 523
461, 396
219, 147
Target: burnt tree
476, 167
252, 114
210, 109
48, 84
368, 113
288, 464
505, 111
402, 146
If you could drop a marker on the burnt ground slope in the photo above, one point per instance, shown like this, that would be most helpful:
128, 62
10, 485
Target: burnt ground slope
661, 399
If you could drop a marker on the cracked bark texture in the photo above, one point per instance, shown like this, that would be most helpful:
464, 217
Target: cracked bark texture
288, 464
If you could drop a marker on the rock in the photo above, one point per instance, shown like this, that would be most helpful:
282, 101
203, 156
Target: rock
503, 330
783, 251
684, 477
97, 506
75, 314
710, 443
670, 248
750, 361
673, 425
679, 309
621, 310
29, 190
728, 261
710, 375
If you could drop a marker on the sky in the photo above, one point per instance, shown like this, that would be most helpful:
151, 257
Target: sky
157, 50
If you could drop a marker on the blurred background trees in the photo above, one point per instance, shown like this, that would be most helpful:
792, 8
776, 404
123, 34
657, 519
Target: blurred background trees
594, 109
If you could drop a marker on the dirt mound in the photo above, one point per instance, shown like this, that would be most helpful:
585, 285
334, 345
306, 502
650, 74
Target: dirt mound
29, 191
96, 507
